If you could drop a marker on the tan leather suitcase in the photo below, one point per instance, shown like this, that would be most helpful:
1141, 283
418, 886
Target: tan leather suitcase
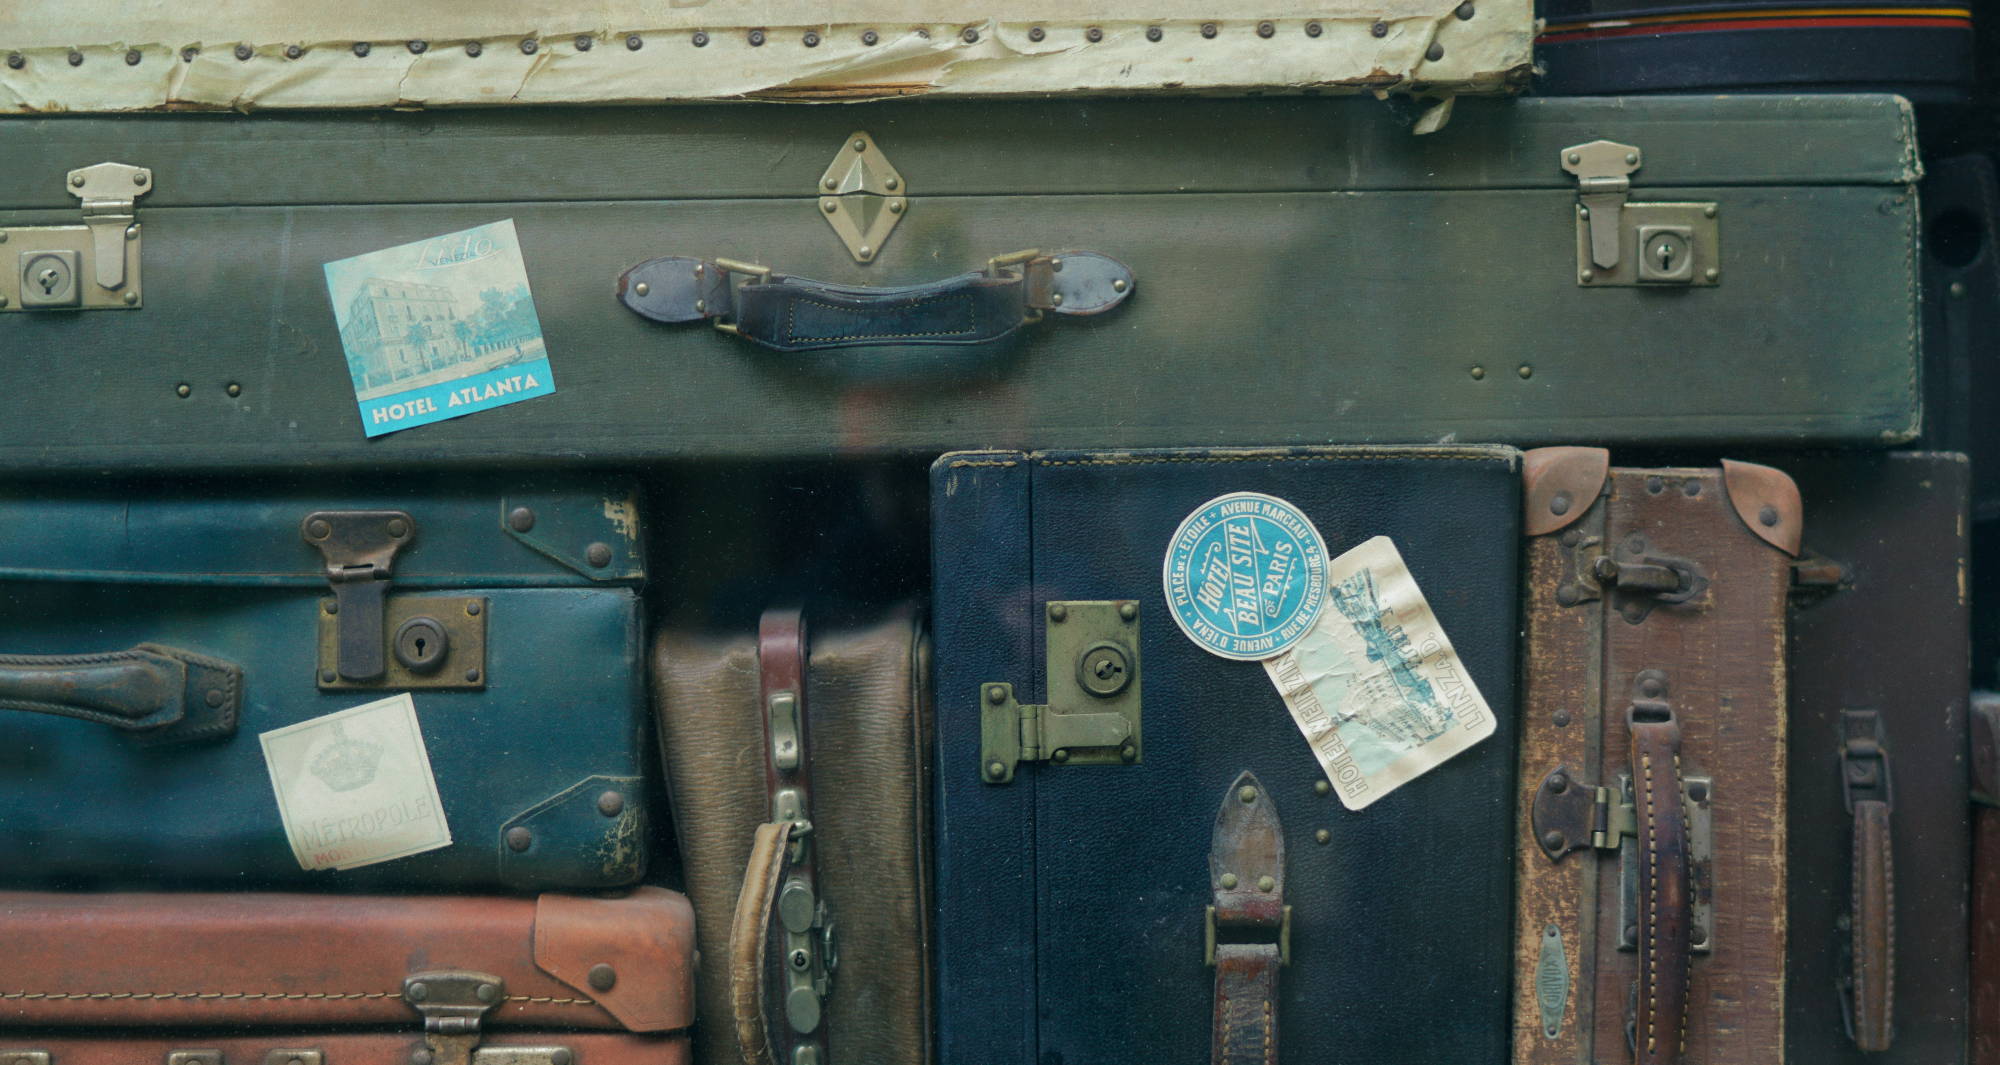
554, 980
1650, 920
798, 782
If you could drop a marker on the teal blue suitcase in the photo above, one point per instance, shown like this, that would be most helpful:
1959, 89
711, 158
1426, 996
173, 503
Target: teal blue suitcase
170, 664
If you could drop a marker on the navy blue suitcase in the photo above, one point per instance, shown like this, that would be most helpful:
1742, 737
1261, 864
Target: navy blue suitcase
151, 640
1074, 894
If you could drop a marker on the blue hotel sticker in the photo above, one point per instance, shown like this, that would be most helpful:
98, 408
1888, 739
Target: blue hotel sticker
439, 328
1246, 575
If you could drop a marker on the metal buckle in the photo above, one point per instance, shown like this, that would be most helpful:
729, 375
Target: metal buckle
758, 275
1283, 940
1864, 761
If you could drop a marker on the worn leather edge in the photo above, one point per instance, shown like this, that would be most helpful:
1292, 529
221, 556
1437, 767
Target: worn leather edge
647, 940
749, 934
1558, 485
1767, 500
1874, 928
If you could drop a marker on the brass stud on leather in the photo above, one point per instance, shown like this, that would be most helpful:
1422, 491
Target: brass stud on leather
611, 804
1265, 883
1323, 836
602, 977
598, 554
642, 288
520, 519
519, 839
1227, 880
1322, 787
1247, 793
1058, 612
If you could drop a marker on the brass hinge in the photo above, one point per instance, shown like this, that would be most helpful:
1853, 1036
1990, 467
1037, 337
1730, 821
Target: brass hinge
1571, 816
368, 639
1619, 243
94, 266
452, 1004
1092, 716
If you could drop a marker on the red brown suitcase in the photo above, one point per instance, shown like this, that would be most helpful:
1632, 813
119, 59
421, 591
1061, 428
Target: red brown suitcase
555, 980
1985, 765
1650, 924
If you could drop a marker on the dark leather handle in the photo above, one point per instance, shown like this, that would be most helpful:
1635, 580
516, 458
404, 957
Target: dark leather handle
749, 945
794, 314
1874, 919
1249, 925
1660, 1020
161, 694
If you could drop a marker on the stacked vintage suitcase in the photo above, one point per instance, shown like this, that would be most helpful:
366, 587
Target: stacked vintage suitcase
1251, 534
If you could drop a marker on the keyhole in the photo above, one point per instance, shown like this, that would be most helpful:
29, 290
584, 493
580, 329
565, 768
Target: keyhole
48, 278
1106, 669
420, 646
1664, 251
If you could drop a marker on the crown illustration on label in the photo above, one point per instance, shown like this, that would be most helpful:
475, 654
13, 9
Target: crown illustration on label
345, 763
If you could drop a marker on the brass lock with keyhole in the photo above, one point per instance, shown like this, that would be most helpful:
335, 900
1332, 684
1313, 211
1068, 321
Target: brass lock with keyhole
1667, 254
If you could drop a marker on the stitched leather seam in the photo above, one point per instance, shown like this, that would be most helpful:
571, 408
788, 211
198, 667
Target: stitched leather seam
1227, 1022
1889, 956
1270, 1055
792, 311
1652, 908
1687, 965
32, 996
964, 464
1141, 461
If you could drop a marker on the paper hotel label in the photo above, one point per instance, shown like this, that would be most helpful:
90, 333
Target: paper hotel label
355, 787
1375, 685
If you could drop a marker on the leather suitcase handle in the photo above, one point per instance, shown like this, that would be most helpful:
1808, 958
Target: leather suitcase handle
1665, 914
160, 693
749, 940
795, 314
1867, 792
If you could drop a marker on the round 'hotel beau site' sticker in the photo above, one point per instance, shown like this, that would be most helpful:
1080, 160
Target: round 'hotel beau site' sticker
1246, 575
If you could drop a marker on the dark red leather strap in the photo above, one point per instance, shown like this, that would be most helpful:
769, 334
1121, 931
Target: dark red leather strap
1660, 1017
793, 1009
1248, 929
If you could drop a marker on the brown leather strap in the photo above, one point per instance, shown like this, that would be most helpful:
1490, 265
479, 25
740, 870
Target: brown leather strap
1874, 917
797, 962
1985, 767
1660, 1022
1248, 926
749, 940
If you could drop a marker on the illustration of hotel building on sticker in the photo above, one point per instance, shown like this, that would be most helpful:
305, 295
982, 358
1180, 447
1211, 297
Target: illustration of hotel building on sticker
402, 334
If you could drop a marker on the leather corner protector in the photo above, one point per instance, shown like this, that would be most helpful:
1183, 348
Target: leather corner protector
1767, 500
633, 956
601, 816
600, 542
1985, 763
1559, 484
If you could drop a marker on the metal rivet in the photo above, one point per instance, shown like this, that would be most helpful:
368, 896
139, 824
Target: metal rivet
602, 977
561, 1056
584, 41
1478, 373
1553, 841
829, 205
701, 306
697, 270
520, 519
16, 60
326, 676
1265, 883
870, 37
139, 178
1228, 880
1061, 755
1708, 211
1464, 11
860, 145
214, 697
188, 54
1561, 719
132, 298
421, 1056
1118, 285
1526, 371
132, 57
1560, 504
971, 35
1208, 30
1058, 612
233, 389
331, 606
530, 46
1246, 793
293, 51
184, 391
641, 288
472, 676
1322, 787
1128, 753
634, 42
1957, 289
1558, 782
487, 993
418, 47
1711, 274
1379, 29
1691, 489
1581, 210
361, 49
1055, 299
1154, 33
996, 695
472, 609
3, 301
895, 207
398, 528
131, 232
1128, 611
243, 51
420, 991
1632, 158
1312, 29
1323, 836
891, 183
864, 251
811, 39
756, 38
1768, 514
1036, 33
598, 554
1056, 265
1588, 275
76, 179
611, 804
1574, 158
1698, 791
1265, 29
1566, 595
474, 48
700, 39
1652, 688
1435, 52
995, 769
519, 838
1093, 34
75, 58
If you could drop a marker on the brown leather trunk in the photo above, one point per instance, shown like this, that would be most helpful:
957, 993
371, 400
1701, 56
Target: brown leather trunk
1650, 917
1985, 766
868, 720
344, 1048
1879, 840
288, 964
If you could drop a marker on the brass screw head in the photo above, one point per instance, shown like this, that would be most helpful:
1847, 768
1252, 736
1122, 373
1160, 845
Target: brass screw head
996, 695
1227, 880
1118, 284
184, 391
1246, 793
995, 770
233, 389
1058, 612
1479, 373
1061, 755
642, 288
1553, 840
1526, 371
1265, 883
1128, 611
1321, 787
1323, 836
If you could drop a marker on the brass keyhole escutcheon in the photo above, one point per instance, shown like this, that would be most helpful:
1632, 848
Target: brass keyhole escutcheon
421, 645
1664, 251
1104, 669
49, 278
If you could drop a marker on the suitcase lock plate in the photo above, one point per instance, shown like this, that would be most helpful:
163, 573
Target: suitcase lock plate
91, 267
369, 639
1092, 715
1622, 244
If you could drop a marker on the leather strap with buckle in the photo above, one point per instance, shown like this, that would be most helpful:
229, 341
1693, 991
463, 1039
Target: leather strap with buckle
1659, 1023
1249, 925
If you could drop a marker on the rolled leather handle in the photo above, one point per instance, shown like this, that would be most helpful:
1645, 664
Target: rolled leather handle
159, 693
1665, 913
750, 941
1874, 931
793, 314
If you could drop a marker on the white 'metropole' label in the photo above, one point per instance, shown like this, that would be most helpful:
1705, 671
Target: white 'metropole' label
1375, 685
355, 787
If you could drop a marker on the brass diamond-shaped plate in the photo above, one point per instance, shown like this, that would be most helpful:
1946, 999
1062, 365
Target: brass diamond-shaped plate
862, 196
